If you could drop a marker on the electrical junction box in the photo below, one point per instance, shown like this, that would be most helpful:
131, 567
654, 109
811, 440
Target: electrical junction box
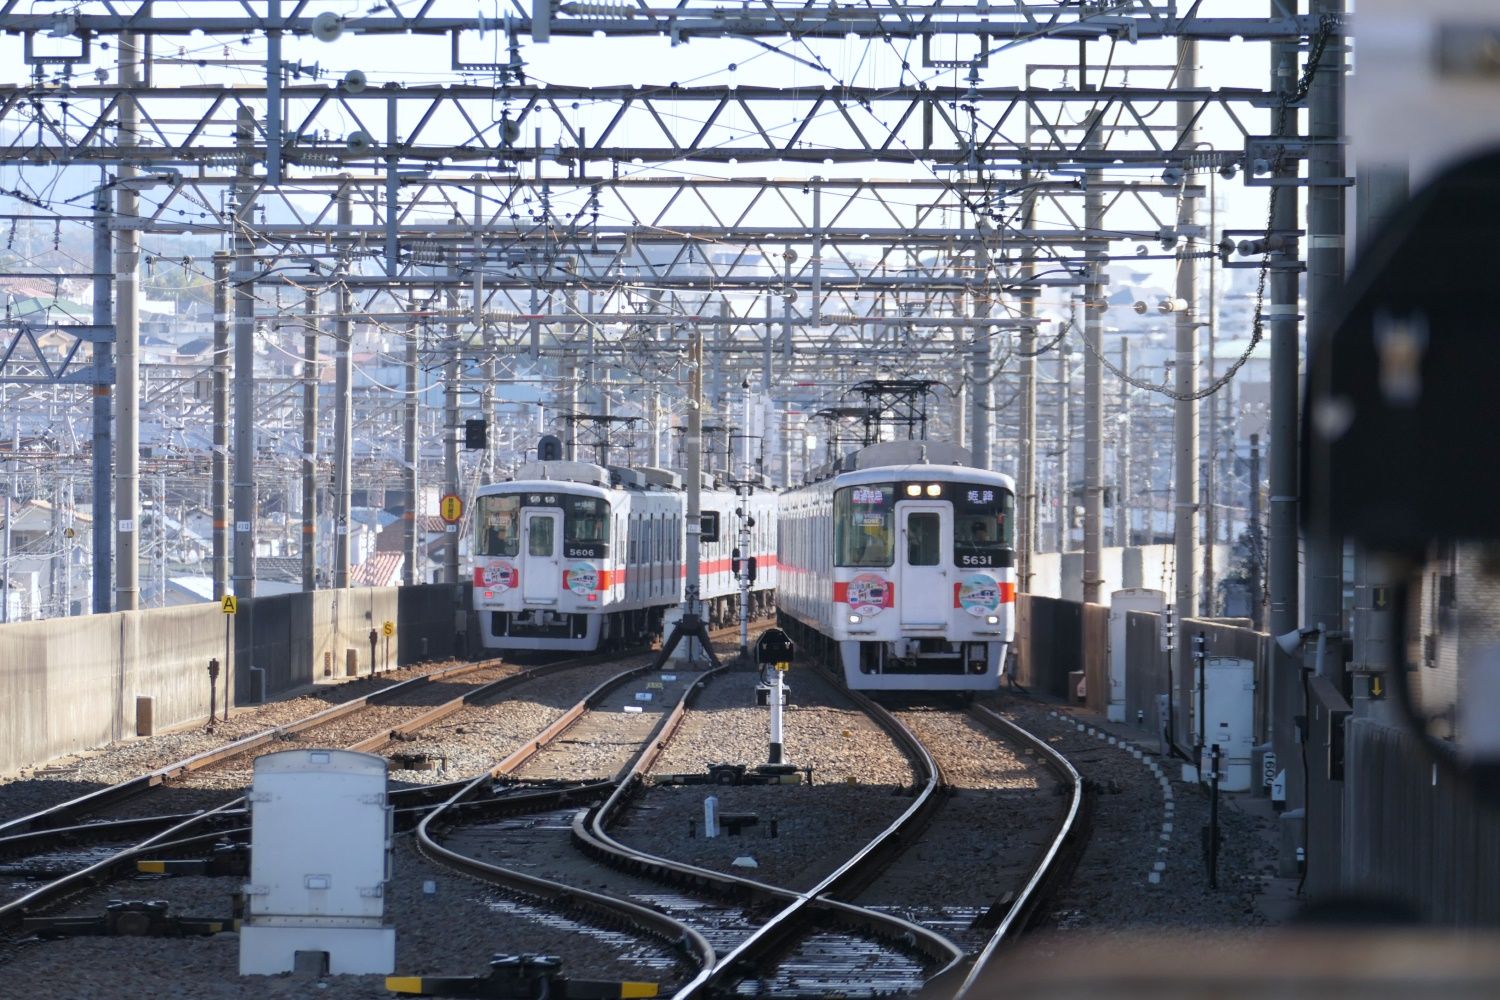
320, 852
1229, 712
1121, 603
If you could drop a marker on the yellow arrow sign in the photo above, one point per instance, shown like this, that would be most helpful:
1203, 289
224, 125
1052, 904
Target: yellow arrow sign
229, 605
1377, 686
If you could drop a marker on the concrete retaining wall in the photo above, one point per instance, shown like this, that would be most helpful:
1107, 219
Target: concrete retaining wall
1414, 835
1061, 575
72, 683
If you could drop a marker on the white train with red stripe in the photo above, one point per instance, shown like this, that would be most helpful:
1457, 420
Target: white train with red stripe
901, 564
573, 556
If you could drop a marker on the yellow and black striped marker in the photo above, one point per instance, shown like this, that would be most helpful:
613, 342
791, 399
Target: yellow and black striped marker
520, 977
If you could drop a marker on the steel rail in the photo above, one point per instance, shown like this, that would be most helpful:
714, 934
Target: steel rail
92, 802
689, 943
865, 864
1064, 846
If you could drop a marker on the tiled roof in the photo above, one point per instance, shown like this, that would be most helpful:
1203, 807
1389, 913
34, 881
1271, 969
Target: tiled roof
382, 569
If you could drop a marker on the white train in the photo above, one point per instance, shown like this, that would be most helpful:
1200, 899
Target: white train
575, 556
902, 567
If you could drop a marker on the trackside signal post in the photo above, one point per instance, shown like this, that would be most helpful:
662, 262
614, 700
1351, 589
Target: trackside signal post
774, 652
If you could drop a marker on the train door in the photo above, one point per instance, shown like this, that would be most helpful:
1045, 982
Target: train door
922, 584
541, 582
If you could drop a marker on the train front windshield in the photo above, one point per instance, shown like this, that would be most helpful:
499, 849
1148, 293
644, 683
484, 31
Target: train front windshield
983, 525
585, 524
864, 524
497, 528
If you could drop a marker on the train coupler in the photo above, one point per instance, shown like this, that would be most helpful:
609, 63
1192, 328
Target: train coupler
520, 977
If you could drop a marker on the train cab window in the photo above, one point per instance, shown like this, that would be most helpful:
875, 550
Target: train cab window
983, 525
540, 536
586, 526
924, 538
863, 525
497, 528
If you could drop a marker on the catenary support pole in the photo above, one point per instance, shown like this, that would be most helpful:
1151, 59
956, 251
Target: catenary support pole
981, 392
243, 278
1323, 586
1210, 428
343, 412
220, 462
127, 340
1283, 548
451, 389
1185, 382
1124, 496
1093, 377
1026, 541
410, 410
1063, 491
310, 443
103, 415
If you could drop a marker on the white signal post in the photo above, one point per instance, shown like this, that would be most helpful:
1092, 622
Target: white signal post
777, 698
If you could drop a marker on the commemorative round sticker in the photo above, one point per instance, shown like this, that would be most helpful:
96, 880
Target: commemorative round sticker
499, 576
869, 594
979, 594
582, 578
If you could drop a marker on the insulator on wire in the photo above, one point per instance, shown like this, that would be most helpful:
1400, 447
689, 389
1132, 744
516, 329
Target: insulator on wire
623, 11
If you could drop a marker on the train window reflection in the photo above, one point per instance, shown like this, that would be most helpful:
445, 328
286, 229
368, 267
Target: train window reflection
863, 525
586, 521
923, 538
540, 535
497, 526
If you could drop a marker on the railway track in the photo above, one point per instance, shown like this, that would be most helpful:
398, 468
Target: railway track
709, 932
104, 849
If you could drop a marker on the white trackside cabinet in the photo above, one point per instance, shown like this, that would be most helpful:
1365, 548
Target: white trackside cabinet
320, 849
1121, 603
1229, 717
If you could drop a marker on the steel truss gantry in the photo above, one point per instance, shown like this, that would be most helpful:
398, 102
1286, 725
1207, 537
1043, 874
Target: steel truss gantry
496, 225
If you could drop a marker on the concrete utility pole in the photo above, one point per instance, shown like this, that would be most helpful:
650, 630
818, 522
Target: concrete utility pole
1379, 192
127, 342
103, 417
981, 391
1026, 538
1211, 412
343, 412
653, 425
243, 277
410, 541
1064, 492
1286, 687
450, 437
1093, 375
1323, 586
222, 260
1185, 492
1123, 495
310, 443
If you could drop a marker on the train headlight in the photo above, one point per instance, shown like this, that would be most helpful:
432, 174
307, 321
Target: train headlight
993, 619
855, 619
913, 490
934, 489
